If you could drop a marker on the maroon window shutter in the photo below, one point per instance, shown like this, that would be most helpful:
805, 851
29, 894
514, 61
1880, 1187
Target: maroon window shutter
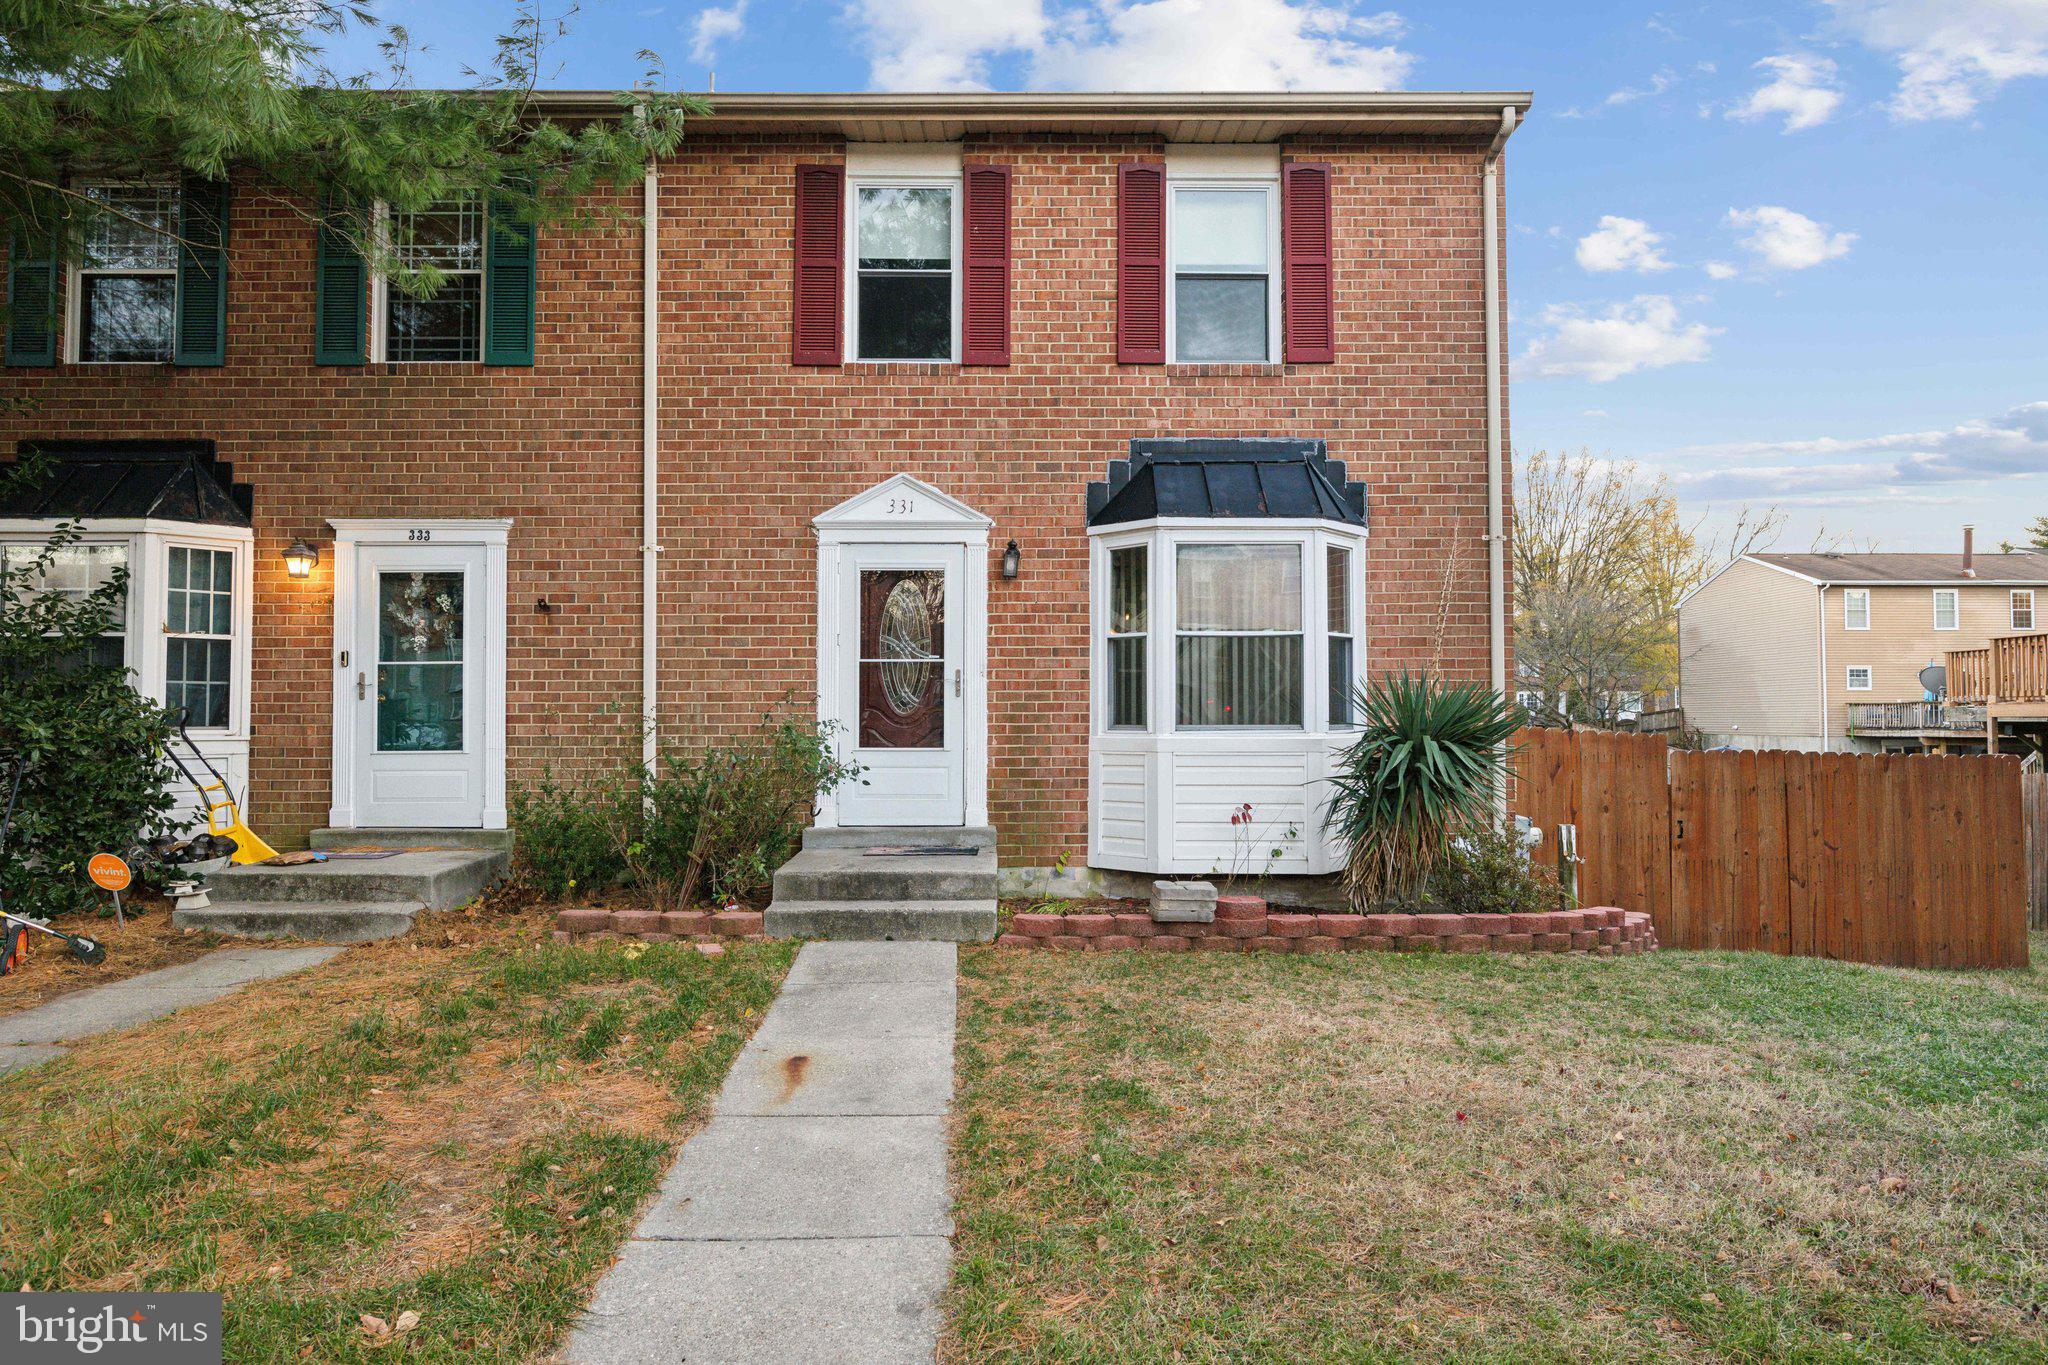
820, 264
1141, 263
1310, 325
985, 289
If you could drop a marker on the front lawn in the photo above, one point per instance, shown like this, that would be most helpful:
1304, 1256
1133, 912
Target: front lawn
456, 1125
1374, 1157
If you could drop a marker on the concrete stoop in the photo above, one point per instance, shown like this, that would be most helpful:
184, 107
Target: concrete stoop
840, 887
344, 901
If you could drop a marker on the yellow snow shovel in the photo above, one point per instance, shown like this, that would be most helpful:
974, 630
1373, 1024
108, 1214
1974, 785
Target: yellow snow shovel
223, 818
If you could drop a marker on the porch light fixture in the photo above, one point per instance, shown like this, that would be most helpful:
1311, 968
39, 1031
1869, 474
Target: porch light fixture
1011, 556
299, 559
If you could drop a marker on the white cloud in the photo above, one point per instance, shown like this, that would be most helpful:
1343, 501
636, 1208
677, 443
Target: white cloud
1784, 240
1804, 89
1657, 84
2013, 444
714, 25
1621, 244
1133, 44
1645, 333
1952, 54
1721, 270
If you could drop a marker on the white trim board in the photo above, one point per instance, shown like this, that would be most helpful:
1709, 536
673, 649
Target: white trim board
350, 533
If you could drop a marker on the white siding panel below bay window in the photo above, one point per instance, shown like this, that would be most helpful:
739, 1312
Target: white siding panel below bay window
1122, 804
1208, 788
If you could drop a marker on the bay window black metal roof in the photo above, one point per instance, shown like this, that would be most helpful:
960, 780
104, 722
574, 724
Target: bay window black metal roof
1226, 478
109, 480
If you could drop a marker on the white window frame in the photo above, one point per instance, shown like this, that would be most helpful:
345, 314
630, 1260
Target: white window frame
1869, 678
380, 293
1955, 601
1214, 180
1110, 634
855, 183
76, 271
237, 637
1852, 598
2013, 608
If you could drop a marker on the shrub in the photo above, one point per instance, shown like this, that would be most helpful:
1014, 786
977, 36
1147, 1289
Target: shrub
1484, 872
1422, 770
708, 824
97, 778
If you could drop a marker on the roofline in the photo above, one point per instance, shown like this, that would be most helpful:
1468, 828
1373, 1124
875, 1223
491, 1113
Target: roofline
1826, 583
1304, 109
1708, 581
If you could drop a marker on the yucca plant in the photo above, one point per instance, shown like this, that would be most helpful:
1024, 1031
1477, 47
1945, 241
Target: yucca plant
1422, 770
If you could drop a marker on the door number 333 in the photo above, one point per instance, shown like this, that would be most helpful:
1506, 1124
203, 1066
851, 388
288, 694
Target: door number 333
419, 533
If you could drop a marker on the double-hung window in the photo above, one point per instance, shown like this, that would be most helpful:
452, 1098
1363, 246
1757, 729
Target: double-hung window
1238, 635
75, 571
445, 239
1130, 592
905, 286
1947, 609
1855, 609
1337, 600
125, 289
1224, 247
199, 627
2022, 608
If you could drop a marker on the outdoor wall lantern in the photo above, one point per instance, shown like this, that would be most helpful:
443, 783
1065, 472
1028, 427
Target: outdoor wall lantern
1010, 559
299, 559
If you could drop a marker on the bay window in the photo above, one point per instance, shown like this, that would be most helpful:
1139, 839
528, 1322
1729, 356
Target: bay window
1238, 635
1337, 595
1130, 590
75, 571
199, 628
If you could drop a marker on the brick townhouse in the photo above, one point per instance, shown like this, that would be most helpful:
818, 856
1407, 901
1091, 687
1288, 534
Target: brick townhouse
1075, 456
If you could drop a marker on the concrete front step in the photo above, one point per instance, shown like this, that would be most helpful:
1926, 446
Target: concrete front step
323, 921
850, 874
439, 880
906, 836
950, 921
409, 838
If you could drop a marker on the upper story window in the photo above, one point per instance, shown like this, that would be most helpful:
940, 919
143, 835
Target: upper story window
2022, 608
904, 247
448, 239
1855, 609
1947, 609
125, 289
1223, 248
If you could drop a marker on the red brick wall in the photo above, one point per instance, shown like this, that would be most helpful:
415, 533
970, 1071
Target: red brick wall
753, 448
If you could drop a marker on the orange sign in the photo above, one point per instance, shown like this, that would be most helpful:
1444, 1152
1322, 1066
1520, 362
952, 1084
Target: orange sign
108, 872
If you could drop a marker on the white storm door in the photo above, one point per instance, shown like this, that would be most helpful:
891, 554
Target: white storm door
901, 678
418, 730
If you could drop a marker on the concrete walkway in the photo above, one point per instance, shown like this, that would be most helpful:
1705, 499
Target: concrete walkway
34, 1036
809, 1221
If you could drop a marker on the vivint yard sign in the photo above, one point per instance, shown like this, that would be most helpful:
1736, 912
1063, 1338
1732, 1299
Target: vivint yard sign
156, 1329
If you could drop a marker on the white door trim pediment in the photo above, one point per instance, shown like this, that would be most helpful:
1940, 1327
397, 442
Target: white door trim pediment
906, 508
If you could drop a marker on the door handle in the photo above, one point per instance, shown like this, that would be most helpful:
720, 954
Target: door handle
362, 692
956, 682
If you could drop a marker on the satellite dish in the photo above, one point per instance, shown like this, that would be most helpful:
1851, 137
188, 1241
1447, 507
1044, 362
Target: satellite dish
1934, 678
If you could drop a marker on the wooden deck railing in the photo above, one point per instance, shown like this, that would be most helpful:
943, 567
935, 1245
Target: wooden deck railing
1913, 717
2010, 668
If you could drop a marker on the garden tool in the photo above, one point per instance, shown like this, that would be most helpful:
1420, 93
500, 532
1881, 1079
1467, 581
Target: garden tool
14, 929
223, 817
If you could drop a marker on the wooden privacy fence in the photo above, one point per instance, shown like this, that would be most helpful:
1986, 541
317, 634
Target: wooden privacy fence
1902, 859
2034, 801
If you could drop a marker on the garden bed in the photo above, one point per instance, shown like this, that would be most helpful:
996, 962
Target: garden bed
1247, 924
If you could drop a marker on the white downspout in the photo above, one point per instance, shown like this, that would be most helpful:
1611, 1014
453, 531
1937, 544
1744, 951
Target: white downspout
1496, 510
650, 461
1820, 620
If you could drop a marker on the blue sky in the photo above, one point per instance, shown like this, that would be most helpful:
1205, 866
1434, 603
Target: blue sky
1788, 254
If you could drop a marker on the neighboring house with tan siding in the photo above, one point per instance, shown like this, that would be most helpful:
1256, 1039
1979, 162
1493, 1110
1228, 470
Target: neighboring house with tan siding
1824, 651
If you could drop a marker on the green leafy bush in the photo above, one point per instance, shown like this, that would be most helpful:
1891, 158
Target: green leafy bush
96, 776
709, 824
1422, 770
1483, 872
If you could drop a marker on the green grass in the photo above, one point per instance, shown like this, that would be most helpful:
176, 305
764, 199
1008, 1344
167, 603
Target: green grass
1366, 1157
461, 1132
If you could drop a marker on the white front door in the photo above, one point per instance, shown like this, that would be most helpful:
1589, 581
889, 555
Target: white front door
416, 688
902, 680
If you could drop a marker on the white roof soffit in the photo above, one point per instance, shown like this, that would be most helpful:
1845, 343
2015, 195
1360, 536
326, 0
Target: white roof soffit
1266, 117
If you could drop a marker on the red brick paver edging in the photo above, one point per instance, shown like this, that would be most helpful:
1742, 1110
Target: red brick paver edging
659, 926
1602, 931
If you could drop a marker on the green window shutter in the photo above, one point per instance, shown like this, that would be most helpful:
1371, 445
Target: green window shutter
341, 305
33, 273
508, 286
202, 314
